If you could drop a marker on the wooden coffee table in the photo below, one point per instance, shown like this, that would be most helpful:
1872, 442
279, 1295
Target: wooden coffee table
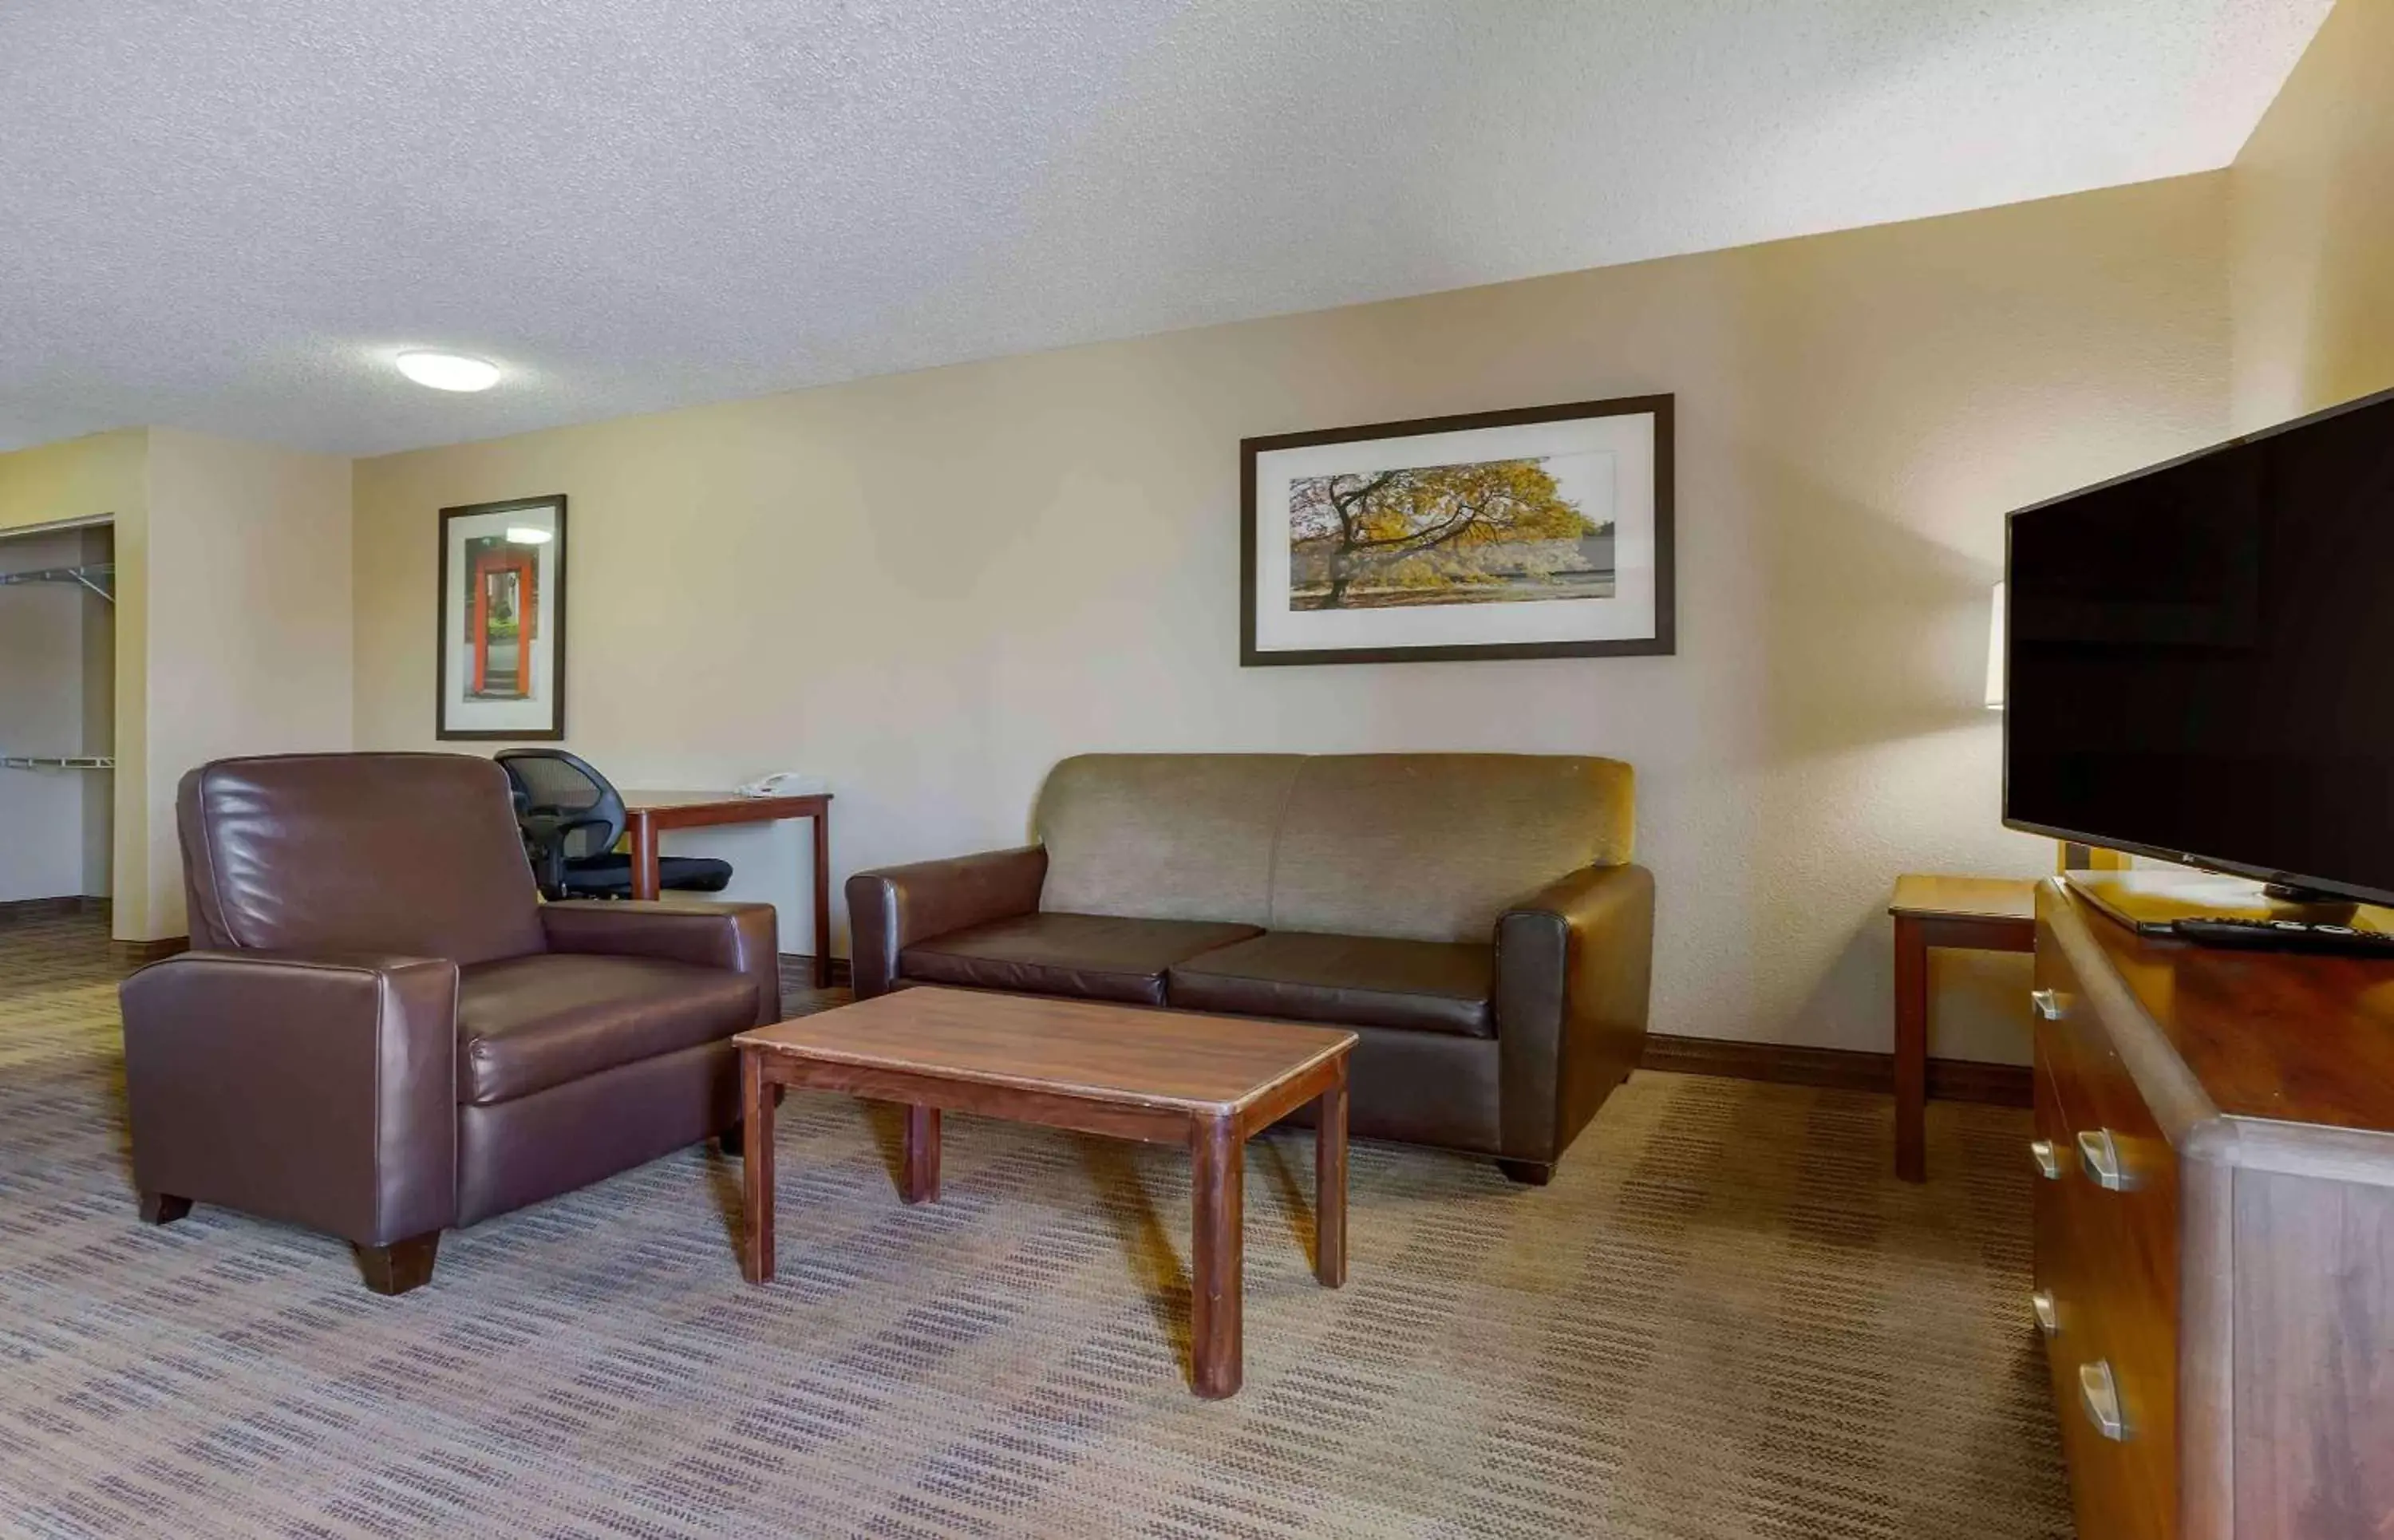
1166, 1076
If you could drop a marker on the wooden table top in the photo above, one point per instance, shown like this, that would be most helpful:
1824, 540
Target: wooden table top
1133, 1055
1919, 896
666, 801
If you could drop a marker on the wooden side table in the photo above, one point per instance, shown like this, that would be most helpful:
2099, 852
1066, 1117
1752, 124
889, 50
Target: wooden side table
1979, 914
648, 815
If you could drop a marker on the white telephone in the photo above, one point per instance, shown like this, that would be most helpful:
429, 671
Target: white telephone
782, 783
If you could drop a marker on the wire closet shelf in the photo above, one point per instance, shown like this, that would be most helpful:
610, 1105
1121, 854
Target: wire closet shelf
100, 578
97, 578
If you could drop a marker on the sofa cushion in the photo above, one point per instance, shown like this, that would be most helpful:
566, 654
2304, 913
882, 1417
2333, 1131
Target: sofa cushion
527, 1023
1433, 846
1166, 837
1348, 980
1090, 956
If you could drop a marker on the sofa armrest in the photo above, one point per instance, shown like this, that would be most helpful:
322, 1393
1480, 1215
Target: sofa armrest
744, 938
1573, 969
320, 1089
891, 909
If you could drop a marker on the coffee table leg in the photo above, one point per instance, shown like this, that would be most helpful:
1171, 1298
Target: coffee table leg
756, 1168
1217, 1190
1329, 1185
922, 1154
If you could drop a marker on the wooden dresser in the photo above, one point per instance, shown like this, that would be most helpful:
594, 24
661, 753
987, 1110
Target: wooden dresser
2214, 1232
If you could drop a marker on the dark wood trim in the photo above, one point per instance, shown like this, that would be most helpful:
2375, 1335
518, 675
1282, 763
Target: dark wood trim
554, 734
1974, 1080
136, 954
51, 908
1836, 1069
797, 965
1664, 643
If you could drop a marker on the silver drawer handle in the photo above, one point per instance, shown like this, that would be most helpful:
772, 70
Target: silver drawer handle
2102, 1395
2100, 1160
2048, 1320
2048, 1159
2047, 1002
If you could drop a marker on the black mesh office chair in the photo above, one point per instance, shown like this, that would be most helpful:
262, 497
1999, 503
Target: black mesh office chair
572, 819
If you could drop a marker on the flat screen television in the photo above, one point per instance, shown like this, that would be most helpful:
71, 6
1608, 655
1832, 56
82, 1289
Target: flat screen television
2199, 659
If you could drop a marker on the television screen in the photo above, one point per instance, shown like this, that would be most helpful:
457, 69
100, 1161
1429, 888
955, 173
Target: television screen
2200, 658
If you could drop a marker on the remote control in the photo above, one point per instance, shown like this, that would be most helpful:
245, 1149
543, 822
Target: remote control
2286, 936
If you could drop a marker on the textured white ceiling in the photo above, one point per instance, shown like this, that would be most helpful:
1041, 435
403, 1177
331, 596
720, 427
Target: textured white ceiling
226, 214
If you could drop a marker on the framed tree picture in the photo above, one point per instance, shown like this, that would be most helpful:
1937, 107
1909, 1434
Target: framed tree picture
502, 620
1544, 533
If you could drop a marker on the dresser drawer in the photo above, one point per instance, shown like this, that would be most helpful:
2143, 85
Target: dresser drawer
2111, 1217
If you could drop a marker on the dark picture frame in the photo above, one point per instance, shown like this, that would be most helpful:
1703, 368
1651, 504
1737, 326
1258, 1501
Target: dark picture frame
1660, 639
537, 591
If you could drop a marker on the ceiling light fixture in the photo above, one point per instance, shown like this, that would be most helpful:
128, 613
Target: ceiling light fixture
448, 371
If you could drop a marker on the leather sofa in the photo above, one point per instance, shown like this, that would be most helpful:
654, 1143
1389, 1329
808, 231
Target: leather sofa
382, 1032
1474, 918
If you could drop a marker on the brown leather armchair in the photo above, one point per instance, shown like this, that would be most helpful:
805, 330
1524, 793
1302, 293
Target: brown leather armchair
383, 1034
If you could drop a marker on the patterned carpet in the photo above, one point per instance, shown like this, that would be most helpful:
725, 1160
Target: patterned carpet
1723, 1319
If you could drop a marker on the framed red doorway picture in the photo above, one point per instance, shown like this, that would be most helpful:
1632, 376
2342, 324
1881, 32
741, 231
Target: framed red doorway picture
501, 621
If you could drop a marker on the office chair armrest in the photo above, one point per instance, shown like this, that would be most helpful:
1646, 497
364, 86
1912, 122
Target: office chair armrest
320, 1089
740, 936
544, 843
891, 909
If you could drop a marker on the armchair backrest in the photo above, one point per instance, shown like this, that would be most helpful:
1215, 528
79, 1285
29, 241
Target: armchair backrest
412, 854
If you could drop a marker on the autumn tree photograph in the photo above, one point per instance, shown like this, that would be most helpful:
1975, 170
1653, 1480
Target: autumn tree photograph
1490, 532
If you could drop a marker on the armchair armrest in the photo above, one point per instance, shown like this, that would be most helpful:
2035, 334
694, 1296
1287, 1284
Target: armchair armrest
891, 909
320, 1089
1575, 966
741, 937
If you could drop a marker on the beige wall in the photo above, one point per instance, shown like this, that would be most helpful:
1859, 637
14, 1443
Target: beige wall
105, 475
929, 587
243, 644
2313, 259
249, 621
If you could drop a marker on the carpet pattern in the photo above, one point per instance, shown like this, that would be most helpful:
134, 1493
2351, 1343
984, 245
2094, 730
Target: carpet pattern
1725, 1318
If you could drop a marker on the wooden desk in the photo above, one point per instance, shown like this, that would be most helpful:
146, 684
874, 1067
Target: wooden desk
1982, 913
648, 814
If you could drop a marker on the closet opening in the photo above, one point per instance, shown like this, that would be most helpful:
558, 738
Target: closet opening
58, 718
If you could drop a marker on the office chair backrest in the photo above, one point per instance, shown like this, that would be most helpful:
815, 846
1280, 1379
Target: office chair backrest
555, 788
